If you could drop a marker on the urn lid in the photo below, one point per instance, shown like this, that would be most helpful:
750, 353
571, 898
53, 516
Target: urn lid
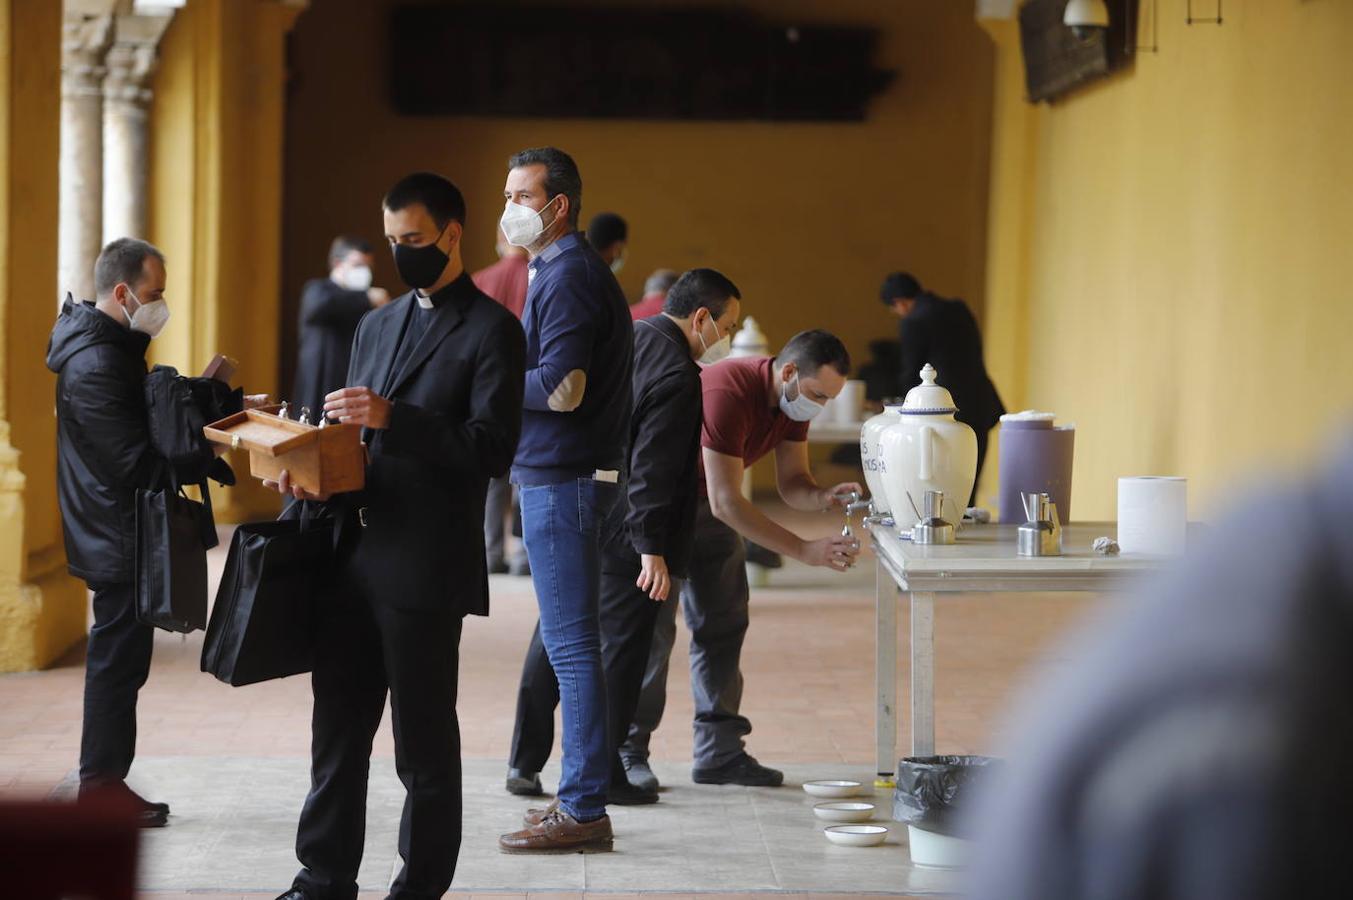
750, 340
928, 398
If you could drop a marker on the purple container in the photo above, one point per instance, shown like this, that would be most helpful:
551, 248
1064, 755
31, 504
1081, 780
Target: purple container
1035, 456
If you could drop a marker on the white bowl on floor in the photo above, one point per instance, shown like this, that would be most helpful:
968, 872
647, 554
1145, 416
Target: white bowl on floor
856, 835
939, 851
838, 811
832, 788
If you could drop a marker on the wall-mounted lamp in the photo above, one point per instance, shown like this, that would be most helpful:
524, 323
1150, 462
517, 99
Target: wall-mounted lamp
1086, 18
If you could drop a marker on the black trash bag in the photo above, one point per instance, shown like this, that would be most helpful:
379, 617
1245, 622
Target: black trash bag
931, 790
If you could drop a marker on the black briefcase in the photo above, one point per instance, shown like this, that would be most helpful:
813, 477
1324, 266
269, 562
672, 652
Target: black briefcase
263, 622
170, 566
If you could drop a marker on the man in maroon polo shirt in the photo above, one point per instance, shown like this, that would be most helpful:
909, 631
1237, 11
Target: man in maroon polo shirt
752, 407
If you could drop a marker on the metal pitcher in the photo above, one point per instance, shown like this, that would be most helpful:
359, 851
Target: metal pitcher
1041, 534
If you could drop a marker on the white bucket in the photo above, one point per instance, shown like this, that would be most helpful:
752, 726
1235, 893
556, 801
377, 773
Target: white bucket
938, 850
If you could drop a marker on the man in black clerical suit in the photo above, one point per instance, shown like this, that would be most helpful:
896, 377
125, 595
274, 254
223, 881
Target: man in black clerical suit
436, 380
330, 310
944, 333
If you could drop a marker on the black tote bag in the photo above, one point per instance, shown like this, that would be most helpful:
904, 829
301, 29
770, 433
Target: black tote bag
170, 568
263, 622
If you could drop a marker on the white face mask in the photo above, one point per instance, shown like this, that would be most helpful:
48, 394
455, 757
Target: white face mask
617, 264
800, 409
353, 278
715, 352
149, 318
522, 225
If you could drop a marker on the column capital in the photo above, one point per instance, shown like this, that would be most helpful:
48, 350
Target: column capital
131, 58
85, 40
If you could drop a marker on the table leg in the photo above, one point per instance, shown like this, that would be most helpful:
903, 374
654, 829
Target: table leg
922, 673
885, 671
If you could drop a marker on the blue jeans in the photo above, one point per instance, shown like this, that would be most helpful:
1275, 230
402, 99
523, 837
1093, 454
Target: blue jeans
561, 525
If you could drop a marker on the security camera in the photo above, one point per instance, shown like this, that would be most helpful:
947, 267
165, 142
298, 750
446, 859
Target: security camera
1086, 18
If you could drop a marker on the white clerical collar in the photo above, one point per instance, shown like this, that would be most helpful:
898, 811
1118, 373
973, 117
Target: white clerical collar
425, 302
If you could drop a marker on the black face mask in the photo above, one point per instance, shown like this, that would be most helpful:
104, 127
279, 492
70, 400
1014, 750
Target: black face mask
420, 267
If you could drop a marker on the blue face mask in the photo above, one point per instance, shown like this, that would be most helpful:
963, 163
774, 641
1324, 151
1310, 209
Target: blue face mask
800, 409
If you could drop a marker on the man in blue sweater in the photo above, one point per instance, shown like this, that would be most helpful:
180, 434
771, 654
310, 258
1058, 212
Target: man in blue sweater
579, 357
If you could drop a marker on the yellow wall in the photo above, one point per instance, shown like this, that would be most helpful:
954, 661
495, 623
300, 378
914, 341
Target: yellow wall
1170, 261
42, 609
806, 218
216, 198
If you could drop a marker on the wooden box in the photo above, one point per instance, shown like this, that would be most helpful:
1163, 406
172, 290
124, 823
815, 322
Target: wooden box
328, 460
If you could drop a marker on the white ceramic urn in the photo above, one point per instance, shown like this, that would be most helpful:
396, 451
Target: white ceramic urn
871, 453
926, 449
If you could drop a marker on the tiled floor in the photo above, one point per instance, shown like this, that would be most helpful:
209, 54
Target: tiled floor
808, 664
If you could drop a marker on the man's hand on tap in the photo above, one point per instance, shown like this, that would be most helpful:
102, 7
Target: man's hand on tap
839, 496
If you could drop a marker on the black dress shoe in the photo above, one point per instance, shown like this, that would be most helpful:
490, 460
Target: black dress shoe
524, 784
742, 770
120, 787
498, 566
641, 774
150, 805
626, 794
152, 818
295, 894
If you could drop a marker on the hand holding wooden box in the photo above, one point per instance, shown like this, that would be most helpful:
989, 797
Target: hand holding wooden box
324, 461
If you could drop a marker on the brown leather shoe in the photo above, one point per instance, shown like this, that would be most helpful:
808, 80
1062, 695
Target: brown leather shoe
536, 815
558, 832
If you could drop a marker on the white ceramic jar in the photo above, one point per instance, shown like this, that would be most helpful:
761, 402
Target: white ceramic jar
871, 453
927, 449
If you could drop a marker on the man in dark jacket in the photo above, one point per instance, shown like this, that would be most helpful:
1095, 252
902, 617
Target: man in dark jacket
330, 310
104, 454
944, 333
646, 540
436, 382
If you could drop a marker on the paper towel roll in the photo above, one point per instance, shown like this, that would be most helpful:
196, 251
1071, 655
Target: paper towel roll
1153, 515
849, 403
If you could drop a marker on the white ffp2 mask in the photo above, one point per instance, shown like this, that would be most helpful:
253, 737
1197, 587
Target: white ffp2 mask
716, 351
149, 318
354, 278
800, 409
521, 225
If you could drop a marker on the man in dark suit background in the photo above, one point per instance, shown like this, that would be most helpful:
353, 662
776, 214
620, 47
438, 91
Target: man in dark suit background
436, 380
944, 333
330, 310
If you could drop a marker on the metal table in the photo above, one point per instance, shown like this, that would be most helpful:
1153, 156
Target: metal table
983, 561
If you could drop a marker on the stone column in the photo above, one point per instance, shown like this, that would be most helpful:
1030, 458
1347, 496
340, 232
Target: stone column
42, 609
126, 109
85, 41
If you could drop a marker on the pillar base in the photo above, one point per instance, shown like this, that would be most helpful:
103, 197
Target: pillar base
40, 620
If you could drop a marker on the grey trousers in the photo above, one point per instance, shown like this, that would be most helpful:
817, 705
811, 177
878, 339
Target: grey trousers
496, 507
714, 600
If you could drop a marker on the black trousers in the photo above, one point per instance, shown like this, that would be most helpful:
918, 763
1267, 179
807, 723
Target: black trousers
116, 665
983, 437
627, 619
365, 650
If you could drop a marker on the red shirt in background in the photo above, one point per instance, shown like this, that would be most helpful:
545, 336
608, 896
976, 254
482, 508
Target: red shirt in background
742, 417
505, 281
651, 305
